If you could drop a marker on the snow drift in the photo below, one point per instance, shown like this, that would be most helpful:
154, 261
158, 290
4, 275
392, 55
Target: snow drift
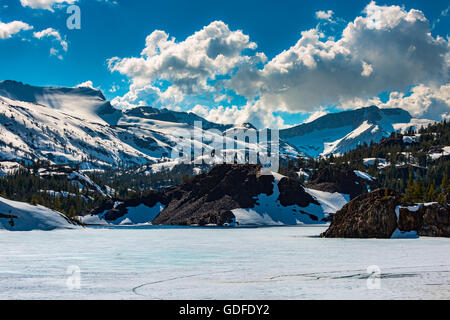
19, 216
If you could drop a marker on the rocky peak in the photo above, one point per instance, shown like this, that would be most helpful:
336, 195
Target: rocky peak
340, 179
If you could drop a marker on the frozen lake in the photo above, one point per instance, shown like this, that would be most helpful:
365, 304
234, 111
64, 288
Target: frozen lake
190, 263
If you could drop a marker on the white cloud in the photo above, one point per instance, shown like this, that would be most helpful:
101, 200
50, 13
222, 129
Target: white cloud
7, 30
187, 66
388, 48
202, 111
86, 84
324, 15
367, 69
52, 33
251, 112
429, 102
422, 101
45, 4
51, 4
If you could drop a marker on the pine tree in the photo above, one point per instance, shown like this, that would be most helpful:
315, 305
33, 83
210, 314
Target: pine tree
419, 192
409, 192
444, 189
431, 193
72, 212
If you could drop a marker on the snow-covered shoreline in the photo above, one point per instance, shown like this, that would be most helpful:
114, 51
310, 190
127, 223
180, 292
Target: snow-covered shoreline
19, 216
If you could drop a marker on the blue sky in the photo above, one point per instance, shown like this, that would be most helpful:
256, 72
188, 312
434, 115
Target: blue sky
119, 29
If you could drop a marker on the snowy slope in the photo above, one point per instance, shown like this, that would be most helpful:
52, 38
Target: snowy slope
141, 214
31, 131
444, 152
341, 132
269, 212
19, 216
83, 102
171, 130
78, 126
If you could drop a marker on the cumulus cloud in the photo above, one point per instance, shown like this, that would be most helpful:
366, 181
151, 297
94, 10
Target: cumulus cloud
367, 69
388, 48
53, 34
7, 30
86, 84
429, 102
187, 67
45, 4
251, 112
324, 15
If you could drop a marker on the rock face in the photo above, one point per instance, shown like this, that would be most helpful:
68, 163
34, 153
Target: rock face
436, 221
293, 193
209, 199
429, 220
374, 215
367, 216
341, 180
409, 220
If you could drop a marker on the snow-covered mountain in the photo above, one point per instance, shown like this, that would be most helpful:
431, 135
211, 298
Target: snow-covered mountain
140, 114
82, 102
79, 126
341, 132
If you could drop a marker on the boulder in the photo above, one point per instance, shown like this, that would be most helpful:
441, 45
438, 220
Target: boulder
374, 215
431, 220
436, 221
410, 220
370, 215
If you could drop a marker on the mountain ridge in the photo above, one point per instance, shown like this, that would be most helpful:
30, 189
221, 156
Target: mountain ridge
79, 126
337, 133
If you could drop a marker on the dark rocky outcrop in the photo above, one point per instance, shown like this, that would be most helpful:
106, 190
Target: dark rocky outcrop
431, 220
374, 215
293, 193
436, 221
409, 220
370, 215
342, 180
210, 198
115, 209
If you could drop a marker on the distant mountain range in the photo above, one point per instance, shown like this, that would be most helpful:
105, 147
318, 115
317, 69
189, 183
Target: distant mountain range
79, 126
340, 132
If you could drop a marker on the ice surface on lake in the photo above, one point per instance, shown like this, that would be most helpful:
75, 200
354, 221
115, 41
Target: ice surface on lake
210, 263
